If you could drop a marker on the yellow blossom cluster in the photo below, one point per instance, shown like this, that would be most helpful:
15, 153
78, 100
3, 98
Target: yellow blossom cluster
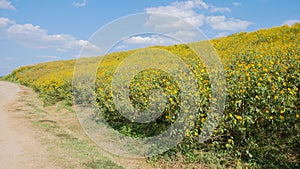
262, 81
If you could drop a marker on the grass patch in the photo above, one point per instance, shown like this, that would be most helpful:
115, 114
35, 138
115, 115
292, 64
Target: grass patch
61, 135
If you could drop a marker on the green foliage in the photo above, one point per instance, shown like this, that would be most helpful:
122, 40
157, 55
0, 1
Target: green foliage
260, 124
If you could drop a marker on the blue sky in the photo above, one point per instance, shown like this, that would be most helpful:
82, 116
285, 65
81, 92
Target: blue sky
33, 31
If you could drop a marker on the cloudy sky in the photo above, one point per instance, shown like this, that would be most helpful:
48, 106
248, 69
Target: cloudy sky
33, 31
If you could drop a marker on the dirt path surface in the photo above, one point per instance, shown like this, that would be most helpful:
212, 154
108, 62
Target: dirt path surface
34, 136
19, 146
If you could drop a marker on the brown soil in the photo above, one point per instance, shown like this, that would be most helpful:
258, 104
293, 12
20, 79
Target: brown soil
19, 146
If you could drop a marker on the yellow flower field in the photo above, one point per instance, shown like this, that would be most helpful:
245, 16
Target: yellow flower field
261, 117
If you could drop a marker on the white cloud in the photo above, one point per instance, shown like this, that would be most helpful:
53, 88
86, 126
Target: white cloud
195, 12
184, 36
184, 10
33, 36
227, 24
236, 4
219, 9
4, 4
144, 40
120, 47
149, 40
49, 57
291, 22
4, 22
166, 23
80, 4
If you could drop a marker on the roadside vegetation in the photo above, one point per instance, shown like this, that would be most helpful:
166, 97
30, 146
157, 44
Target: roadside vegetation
259, 126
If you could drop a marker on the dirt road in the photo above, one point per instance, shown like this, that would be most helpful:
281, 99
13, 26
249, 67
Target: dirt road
19, 146
33, 136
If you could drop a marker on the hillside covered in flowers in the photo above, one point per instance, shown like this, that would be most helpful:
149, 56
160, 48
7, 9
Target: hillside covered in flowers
260, 122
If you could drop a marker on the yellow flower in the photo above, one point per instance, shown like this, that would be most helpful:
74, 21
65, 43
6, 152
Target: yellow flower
297, 116
284, 84
174, 91
227, 145
269, 79
196, 133
238, 117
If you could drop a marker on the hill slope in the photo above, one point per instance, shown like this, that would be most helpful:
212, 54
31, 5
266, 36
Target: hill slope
260, 123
